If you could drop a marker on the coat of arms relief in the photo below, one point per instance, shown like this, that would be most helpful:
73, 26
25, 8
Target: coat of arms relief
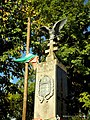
46, 88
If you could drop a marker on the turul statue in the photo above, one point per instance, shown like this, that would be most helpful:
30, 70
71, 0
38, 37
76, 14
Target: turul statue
54, 32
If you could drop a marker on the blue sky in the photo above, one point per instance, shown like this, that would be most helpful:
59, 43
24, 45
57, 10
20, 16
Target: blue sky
85, 1
23, 55
89, 28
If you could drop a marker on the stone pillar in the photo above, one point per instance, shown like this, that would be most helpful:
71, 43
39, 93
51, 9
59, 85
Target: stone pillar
50, 90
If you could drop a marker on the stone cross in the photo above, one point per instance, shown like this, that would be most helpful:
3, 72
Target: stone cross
51, 55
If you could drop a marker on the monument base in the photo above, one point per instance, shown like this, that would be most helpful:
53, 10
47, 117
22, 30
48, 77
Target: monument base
50, 90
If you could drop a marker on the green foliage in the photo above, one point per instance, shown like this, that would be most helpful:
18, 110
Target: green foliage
85, 99
73, 52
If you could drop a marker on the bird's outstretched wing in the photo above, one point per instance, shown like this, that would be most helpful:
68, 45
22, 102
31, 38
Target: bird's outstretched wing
45, 29
58, 26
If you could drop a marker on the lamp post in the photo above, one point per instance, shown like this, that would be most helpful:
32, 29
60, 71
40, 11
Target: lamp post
26, 73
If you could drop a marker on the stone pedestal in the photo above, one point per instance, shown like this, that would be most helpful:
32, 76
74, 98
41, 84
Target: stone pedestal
50, 90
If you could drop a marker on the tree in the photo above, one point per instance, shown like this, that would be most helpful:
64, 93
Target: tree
73, 47
16, 100
12, 41
85, 98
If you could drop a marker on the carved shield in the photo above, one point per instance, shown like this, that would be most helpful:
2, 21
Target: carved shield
45, 88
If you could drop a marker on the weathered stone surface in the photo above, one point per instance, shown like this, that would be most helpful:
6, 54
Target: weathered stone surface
51, 87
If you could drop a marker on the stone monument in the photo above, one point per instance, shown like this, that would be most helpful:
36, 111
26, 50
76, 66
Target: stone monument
51, 87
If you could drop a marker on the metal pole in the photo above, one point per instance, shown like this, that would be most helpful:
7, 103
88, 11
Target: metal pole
26, 73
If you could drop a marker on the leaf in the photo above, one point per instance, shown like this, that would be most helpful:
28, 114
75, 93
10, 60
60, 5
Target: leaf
85, 98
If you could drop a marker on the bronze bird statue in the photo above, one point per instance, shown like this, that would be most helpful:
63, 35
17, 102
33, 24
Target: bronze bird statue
54, 32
